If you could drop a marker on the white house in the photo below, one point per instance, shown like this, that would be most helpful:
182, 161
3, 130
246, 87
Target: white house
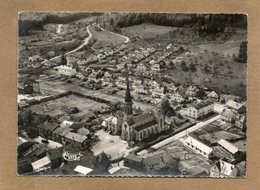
66, 70
198, 147
177, 97
156, 68
157, 93
200, 109
141, 67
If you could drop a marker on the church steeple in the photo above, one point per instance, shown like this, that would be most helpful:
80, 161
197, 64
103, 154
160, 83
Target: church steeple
128, 97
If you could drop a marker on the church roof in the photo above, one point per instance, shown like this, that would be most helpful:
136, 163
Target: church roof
145, 125
142, 117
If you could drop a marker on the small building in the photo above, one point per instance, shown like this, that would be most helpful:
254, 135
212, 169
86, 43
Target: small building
76, 139
235, 106
134, 161
177, 97
66, 70
46, 129
200, 109
141, 67
223, 169
199, 147
158, 93
191, 91
141, 90
156, 68
41, 164
228, 116
113, 124
241, 121
230, 148
213, 95
82, 170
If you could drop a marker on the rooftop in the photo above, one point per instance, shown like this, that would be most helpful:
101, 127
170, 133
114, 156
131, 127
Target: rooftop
228, 146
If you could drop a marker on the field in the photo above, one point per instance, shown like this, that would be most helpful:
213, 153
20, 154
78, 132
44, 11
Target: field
147, 30
58, 106
212, 69
106, 37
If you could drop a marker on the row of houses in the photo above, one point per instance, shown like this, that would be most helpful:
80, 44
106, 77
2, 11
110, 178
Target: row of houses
66, 133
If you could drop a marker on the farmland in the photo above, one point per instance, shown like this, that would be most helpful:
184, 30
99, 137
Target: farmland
147, 30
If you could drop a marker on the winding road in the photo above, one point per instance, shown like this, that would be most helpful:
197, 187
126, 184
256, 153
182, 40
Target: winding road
85, 42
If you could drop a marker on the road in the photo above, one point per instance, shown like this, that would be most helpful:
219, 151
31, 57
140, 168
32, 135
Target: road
181, 134
85, 42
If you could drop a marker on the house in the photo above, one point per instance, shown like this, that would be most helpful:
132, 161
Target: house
66, 70
223, 169
213, 95
235, 106
154, 84
228, 116
141, 90
46, 129
230, 148
158, 93
41, 164
198, 147
152, 62
156, 68
141, 67
93, 84
200, 109
177, 97
191, 91
134, 161
113, 124
76, 139
241, 121
35, 58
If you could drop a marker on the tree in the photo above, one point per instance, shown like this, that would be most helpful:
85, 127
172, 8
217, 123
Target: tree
165, 90
242, 55
193, 67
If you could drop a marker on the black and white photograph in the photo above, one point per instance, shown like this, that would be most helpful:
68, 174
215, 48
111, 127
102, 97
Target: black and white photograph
127, 94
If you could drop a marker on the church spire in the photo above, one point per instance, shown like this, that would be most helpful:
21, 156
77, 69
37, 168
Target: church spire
128, 97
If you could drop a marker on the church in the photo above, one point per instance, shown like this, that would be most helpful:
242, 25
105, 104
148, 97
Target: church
138, 127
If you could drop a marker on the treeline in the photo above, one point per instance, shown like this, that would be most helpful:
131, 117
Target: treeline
209, 23
32, 20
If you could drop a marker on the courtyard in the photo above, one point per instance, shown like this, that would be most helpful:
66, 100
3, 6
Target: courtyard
111, 145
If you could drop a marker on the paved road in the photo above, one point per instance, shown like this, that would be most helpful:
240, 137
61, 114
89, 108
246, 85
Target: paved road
181, 134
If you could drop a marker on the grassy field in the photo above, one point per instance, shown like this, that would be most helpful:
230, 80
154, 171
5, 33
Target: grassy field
213, 69
55, 107
106, 38
146, 30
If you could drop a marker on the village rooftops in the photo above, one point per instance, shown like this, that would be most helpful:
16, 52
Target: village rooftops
228, 146
48, 126
76, 137
234, 105
202, 104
